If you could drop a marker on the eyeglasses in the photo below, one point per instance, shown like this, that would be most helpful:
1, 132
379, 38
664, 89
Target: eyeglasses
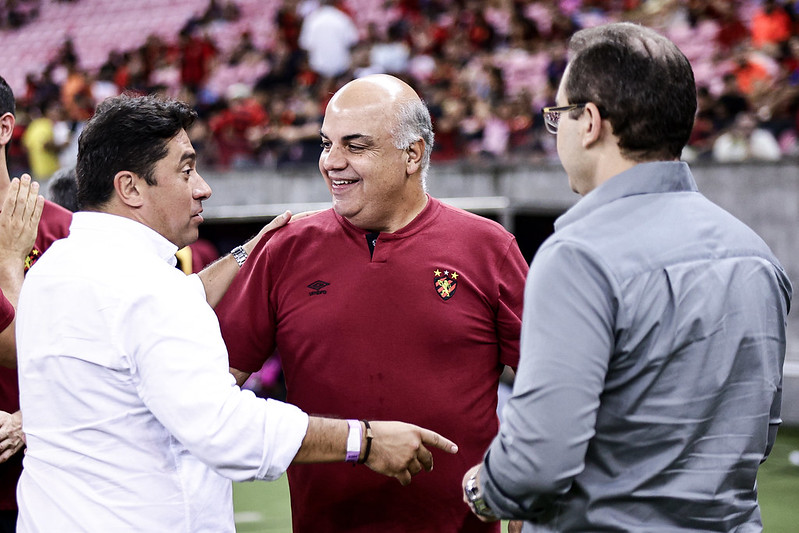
552, 115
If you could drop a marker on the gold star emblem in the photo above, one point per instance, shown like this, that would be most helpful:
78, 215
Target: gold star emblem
454, 275
436, 272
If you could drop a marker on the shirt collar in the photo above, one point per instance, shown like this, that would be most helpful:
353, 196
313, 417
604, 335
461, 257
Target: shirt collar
644, 178
114, 228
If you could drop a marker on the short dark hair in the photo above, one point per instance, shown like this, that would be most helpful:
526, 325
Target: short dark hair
126, 133
8, 103
641, 82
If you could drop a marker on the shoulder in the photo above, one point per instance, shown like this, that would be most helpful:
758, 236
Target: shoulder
312, 228
458, 219
323, 222
55, 218
53, 225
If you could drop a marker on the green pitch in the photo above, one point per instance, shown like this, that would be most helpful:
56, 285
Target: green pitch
264, 507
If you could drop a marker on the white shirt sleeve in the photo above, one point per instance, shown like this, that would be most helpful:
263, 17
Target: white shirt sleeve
180, 366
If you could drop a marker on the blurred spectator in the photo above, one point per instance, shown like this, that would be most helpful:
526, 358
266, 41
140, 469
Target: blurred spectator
390, 53
293, 136
288, 24
244, 48
196, 256
746, 141
228, 11
41, 143
473, 62
103, 85
751, 74
76, 93
237, 128
285, 65
41, 89
731, 101
63, 189
328, 34
16, 13
732, 31
771, 25
197, 53
481, 35
706, 126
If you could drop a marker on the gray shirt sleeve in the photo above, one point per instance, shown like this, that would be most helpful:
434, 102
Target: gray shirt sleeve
566, 343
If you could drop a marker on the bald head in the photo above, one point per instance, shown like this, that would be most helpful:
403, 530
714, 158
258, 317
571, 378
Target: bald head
391, 101
380, 90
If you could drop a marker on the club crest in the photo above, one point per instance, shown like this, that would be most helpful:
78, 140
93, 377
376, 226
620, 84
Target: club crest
445, 282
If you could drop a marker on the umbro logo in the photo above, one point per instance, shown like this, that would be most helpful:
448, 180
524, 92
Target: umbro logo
317, 287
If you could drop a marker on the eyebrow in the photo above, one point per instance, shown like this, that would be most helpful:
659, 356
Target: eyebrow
351, 137
188, 155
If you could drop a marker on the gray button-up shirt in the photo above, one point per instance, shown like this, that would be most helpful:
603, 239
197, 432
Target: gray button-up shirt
649, 387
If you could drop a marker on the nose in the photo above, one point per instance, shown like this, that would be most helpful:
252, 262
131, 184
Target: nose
201, 190
333, 159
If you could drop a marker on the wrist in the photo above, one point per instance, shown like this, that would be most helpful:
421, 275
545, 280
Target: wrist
354, 437
239, 254
475, 497
367, 444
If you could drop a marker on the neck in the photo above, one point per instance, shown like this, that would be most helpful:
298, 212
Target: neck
405, 217
606, 168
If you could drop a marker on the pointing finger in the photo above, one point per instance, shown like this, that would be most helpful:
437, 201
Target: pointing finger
434, 439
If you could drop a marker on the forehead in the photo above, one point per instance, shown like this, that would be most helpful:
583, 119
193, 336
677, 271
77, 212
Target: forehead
179, 150
179, 144
364, 120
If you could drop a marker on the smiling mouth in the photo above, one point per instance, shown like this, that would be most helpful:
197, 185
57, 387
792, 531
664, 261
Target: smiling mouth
342, 183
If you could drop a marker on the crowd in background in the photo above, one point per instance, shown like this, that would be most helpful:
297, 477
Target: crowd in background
485, 68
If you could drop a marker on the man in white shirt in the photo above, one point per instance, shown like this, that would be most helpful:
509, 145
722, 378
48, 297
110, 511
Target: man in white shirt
328, 34
133, 421
746, 141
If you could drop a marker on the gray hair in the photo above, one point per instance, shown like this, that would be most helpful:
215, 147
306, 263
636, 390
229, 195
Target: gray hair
412, 122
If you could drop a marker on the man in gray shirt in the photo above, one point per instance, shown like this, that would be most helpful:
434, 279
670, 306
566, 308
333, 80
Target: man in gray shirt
653, 337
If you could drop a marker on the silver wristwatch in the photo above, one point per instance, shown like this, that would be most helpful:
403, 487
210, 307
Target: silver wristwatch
239, 254
475, 498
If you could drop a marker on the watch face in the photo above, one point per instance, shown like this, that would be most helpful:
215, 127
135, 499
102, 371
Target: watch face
476, 499
472, 490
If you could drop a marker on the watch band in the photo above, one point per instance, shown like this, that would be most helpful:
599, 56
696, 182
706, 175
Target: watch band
239, 254
353, 441
475, 498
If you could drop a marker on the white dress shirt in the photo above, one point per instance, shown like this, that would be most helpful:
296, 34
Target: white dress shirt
133, 421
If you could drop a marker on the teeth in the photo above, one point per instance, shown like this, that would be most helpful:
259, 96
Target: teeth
342, 182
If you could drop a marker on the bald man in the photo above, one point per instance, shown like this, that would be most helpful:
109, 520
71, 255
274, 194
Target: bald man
389, 304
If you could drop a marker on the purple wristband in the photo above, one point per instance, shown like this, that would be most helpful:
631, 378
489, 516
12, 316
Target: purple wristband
354, 441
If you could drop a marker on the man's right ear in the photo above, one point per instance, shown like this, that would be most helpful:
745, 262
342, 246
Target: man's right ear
128, 187
7, 123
